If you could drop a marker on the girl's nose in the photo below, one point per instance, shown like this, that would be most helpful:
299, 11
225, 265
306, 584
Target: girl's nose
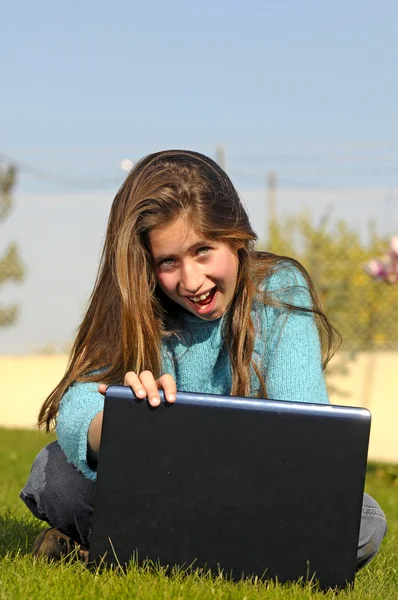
191, 279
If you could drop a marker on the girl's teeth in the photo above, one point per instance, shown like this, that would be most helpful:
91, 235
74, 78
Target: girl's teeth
202, 297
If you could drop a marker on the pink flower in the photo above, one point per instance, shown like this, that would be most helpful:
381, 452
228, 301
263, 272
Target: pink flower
385, 268
394, 245
375, 268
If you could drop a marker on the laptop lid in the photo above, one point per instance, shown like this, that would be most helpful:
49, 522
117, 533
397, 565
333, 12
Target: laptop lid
251, 487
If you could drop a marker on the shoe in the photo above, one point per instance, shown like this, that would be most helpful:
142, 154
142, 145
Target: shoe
54, 544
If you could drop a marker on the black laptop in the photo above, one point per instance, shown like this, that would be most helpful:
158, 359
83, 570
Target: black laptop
248, 487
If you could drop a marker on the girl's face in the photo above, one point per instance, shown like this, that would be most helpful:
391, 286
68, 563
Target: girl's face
198, 274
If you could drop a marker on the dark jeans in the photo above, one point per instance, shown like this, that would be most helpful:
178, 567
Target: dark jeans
56, 492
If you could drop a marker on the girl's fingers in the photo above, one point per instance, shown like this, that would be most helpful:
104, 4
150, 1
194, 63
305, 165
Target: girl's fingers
168, 384
102, 388
132, 380
150, 386
145, 385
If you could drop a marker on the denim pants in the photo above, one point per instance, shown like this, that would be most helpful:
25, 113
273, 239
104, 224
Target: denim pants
56, 492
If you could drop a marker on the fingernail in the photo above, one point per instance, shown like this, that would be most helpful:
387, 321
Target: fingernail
172, 397
155, 401
141, 392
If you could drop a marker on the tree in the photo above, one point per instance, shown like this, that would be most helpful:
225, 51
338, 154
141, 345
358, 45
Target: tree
336, 257
11, 266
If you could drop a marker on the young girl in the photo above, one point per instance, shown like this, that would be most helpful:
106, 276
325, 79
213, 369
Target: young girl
181, 301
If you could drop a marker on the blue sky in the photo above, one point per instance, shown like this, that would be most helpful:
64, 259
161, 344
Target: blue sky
307, 87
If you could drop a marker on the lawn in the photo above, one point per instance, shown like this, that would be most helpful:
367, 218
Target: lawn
22, 577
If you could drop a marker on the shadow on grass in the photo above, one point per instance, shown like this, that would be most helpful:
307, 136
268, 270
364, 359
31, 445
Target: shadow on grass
17, 534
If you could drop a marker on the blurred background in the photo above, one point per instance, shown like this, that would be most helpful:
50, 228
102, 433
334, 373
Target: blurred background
296, 100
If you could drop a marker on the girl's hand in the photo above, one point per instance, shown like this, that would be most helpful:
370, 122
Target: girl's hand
145, 385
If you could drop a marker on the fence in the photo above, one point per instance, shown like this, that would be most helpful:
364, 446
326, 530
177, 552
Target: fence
363, 307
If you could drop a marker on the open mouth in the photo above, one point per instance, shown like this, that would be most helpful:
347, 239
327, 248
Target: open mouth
204, 299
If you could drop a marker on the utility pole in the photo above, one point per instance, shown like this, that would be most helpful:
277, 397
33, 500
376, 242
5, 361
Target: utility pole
270, 209
220, 157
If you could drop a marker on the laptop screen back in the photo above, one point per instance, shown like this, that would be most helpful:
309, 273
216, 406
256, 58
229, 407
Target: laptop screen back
252, 487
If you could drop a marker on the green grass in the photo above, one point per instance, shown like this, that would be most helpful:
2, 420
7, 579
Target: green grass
23, 577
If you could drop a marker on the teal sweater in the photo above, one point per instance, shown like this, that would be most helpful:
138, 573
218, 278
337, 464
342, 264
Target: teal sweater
287, 349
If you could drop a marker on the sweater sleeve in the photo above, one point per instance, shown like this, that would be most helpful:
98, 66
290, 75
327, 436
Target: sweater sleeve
78, 407
293, 352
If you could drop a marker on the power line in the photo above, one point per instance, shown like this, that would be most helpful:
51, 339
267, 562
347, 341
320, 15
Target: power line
311, 176
75, 182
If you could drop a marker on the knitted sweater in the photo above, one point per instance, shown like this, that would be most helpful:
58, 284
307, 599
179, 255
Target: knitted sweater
287, 350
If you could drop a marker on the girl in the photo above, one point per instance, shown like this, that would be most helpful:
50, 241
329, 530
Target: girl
181, 301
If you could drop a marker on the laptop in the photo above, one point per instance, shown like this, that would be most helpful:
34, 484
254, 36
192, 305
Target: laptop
248, 487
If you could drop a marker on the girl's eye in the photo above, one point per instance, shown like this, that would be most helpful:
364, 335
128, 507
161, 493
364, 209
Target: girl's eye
166, 262
204, 250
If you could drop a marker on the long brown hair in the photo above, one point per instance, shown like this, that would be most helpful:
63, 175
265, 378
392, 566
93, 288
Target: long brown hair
128, 316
